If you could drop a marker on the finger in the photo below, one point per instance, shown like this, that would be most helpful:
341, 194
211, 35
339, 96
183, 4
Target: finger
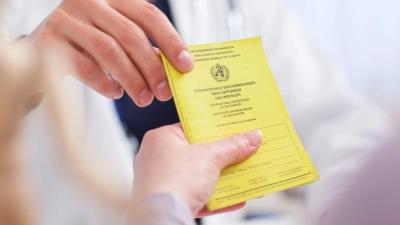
205, 212
107, 52
89, 73
138, 47
235, 149
157, 26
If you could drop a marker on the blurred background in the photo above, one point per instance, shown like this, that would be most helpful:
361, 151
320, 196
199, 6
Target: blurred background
360, 36
342, 132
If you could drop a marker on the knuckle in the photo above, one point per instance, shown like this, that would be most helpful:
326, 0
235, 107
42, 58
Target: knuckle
58, 15
156, 69
84, 68
57, 19
108, 47
130, 36
46, 38
205, 165
175, 37
52, 28
216, 164
239, 145
89, 73
176, 42
152, 13
106, 87
217, 160
211, 171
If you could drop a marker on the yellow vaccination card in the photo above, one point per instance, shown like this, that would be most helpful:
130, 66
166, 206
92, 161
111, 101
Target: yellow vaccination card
231, 90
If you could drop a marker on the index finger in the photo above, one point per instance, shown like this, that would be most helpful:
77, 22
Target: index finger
156, 25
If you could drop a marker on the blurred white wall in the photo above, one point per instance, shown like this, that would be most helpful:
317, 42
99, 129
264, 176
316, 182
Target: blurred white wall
363, 36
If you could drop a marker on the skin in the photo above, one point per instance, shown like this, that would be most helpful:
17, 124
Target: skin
99, 37
189, 171
110, 36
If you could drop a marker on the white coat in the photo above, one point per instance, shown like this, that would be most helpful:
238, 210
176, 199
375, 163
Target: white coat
339, 128
334, 123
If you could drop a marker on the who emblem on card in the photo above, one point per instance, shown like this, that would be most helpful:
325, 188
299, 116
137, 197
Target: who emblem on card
220, 72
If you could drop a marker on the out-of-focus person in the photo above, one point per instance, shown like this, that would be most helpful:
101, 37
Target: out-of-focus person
364, 191
363, 38
334, 122
159, 196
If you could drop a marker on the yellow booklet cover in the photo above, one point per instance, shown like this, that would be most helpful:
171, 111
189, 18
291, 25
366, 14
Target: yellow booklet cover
231, 90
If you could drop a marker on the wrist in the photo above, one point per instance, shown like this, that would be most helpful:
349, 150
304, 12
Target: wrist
157, 190
166, 207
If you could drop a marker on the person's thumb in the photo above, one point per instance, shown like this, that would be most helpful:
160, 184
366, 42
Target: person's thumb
235, 149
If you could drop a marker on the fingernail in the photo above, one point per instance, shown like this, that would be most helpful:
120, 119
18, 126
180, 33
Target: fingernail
145, 98
186, 61
254, 137
118, 93
163, 91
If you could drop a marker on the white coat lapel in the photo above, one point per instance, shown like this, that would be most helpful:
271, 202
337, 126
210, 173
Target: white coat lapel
213, 23
182, 15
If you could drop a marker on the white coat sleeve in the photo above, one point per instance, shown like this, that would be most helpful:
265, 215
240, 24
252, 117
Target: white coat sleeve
336, 125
